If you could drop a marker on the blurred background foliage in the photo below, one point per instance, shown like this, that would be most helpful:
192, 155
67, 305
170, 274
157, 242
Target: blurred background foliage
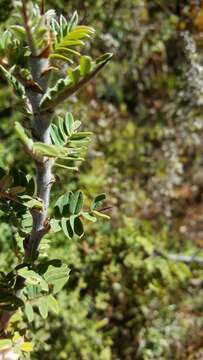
127, 298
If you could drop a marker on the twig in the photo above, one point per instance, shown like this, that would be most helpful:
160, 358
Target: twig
187, 259
70, 91
42, 7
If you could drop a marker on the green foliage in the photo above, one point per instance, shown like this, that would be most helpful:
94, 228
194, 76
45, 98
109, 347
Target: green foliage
68, 143
17, 86
17, 194
65, 87
67, 36
69, 207
46, 279
126, 297
49, 279
66, 133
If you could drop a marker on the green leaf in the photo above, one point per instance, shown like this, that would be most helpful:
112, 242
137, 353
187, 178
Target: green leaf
44, 266
26, 347
76, 202
43, 307
89, 216
66, 227
74, 168
62, 133
33, 291
69, 124
17, 86
73, 21
72, 219
63, 26
5, 344
76, 125
68, 36
52, 151
29, 311
63, 201
5, 39
27, 220
66, 87
85, 65
19, 31
74, 75
33, 278
81, 136
78, 227
67, 51
55, 225
53, 92
30, 202
61, 130
57, 277
77, 33
20, 131
100, 214
53, 304
61, 57
98, 201
104, 58
56, 135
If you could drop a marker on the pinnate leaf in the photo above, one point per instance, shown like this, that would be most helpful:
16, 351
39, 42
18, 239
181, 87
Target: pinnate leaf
76, 202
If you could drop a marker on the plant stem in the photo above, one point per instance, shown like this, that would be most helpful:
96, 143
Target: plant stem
43, 7
41, 132
44, 182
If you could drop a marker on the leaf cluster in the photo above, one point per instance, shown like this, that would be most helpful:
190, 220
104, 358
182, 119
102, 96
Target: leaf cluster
69, 212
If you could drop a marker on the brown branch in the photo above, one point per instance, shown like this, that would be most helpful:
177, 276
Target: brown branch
27, 28
42, 7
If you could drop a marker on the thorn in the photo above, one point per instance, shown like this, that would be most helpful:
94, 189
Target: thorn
45, 52
106, 209
47, 70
